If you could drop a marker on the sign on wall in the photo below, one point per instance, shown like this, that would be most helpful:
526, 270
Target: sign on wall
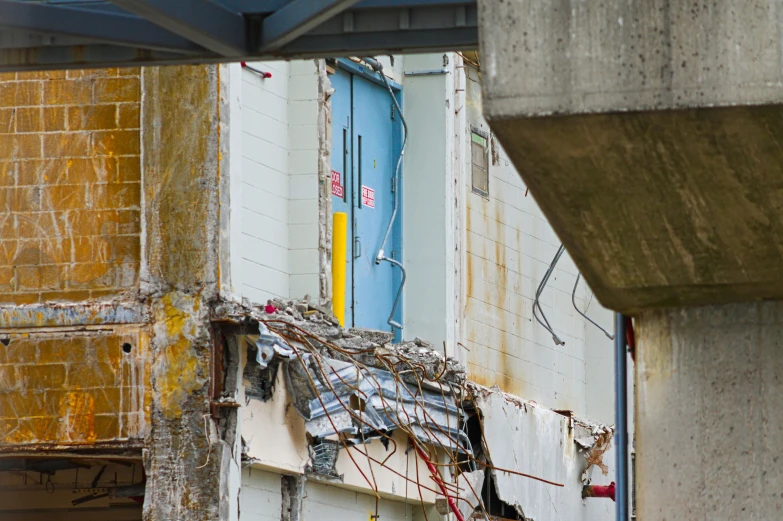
368, 197
337, 187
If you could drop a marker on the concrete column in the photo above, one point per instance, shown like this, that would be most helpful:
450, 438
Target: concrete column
709, 416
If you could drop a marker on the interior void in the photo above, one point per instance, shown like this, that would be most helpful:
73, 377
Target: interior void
71, 489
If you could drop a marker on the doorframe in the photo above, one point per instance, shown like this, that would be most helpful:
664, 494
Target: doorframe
366, 73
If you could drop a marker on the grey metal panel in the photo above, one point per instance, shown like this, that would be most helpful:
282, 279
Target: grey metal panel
296, 18
92, 26
210, 25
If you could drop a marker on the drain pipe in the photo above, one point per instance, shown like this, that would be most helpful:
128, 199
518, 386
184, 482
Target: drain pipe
606, 491
621, 417
381, 255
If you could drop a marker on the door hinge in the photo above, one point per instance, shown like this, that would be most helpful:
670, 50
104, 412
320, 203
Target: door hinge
392, 110
393, 184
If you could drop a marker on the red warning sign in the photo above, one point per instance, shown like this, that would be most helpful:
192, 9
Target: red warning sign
337, 187
368, 197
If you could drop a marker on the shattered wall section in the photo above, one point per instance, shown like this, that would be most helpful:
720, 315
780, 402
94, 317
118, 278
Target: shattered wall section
69, 185
525, 437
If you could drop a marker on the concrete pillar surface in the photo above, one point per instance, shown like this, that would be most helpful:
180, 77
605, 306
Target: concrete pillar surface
709, 413
649, 133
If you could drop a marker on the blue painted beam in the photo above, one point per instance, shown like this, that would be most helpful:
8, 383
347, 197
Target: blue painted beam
209, 24
270, 6
296, 18
92, 26
386, 42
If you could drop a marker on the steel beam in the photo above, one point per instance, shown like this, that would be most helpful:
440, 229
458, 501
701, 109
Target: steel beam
90, 26
384, 42
270, 6
208, 24
297, 18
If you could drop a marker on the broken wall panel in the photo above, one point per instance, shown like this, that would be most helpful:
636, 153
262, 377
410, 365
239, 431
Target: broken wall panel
75, 388
276, 439
525, 437
69, 185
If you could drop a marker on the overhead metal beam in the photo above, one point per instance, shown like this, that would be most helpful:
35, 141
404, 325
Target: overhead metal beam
297, 18
90, 26
385, 42
268, 7
208, 24
92, 57
433, 26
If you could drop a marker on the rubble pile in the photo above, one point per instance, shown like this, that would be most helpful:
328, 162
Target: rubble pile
362, 345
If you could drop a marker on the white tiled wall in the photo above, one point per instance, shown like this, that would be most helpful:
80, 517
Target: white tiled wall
277, 211
261, 497
329, 503
261, 500
509, 245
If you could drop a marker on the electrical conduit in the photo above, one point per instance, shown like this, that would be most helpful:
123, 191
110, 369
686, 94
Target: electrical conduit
381, 256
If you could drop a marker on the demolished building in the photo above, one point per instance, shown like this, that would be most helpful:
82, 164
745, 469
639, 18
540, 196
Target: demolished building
159, 225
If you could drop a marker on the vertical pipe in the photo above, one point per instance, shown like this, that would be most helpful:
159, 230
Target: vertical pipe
621, 417
339, 263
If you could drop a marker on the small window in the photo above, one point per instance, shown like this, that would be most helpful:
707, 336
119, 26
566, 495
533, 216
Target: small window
479, 164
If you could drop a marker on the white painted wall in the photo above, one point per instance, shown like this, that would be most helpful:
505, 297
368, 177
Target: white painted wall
328, 503
261, 497
274, 208
508, 247
261, 500
425, 204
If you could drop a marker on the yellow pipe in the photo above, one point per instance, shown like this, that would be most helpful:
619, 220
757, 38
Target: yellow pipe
339, 264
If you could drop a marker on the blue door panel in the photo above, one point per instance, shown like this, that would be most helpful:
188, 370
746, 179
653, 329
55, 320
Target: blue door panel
365, 146
374, 156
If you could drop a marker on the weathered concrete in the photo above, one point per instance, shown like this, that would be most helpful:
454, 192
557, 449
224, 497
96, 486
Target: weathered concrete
661, 168
709, 423
180, 274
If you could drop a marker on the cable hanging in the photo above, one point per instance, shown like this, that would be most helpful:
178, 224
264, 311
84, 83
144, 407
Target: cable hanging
573, 301
381, 255
537, 306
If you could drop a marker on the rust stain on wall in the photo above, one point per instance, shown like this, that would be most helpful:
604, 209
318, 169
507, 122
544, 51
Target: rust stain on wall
75, 388
69, 185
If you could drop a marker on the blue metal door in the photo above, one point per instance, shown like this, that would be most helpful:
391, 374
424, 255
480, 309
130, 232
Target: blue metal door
369, 158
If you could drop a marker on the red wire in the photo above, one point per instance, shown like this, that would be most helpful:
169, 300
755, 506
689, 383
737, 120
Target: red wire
436, 478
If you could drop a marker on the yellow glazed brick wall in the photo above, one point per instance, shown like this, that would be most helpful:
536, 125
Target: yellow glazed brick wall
69, 184
74, 388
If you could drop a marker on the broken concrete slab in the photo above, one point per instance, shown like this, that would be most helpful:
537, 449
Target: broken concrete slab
525, 437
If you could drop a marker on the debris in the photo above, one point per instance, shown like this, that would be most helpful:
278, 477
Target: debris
595, 454
323, 454
271, 346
